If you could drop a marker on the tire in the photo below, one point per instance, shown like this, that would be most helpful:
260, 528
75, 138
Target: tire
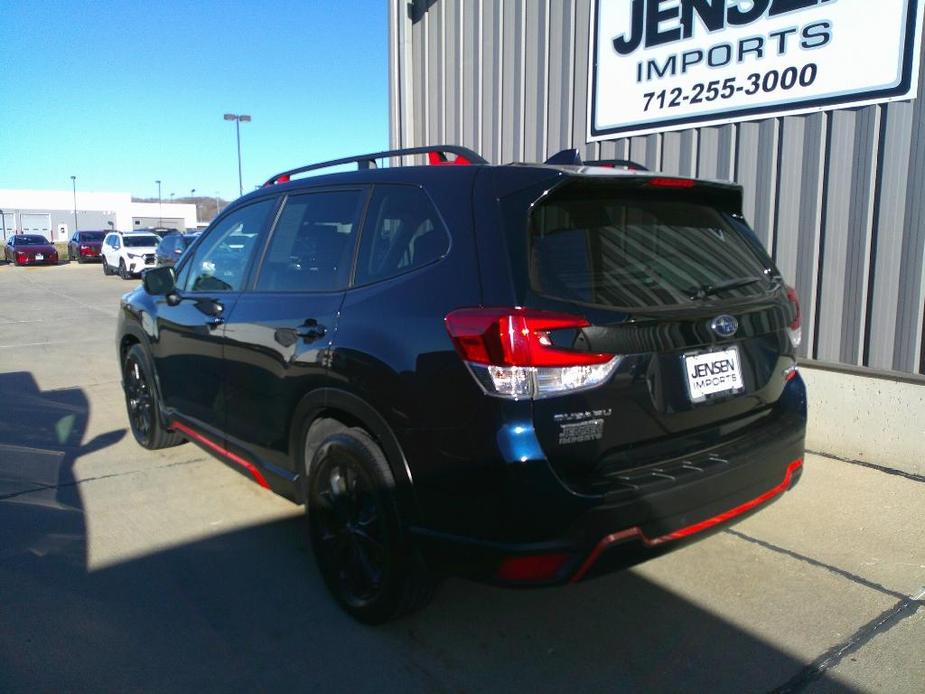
141, 403
365, 556
123, 271
106, 269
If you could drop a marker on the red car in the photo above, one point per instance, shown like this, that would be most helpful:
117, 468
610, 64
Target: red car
30, 249
85, 245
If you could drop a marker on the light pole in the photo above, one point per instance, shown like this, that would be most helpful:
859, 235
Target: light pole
159, 213
3, 223
74, 187
238, 118
217, 210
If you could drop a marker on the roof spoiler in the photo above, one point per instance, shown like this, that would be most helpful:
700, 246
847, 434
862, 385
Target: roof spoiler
571, 157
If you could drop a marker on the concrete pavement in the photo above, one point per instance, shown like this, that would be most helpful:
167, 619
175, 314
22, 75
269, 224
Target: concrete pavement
123, 569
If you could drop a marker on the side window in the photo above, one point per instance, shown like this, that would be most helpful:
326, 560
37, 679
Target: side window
402, 232
312, 245
221, 261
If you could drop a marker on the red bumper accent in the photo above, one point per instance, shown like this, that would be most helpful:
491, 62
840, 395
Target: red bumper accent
636, 533
222, 451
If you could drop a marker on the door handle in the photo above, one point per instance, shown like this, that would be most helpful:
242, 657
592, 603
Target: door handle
311, 330
214, 322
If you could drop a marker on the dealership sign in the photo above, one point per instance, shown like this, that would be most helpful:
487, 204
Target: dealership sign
660, 65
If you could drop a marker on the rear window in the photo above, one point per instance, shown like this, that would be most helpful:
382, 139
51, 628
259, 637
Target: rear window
640, 250
92, 235
140, 241
31, 240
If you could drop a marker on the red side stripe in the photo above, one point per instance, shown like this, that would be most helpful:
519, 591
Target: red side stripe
224, 452
636, 532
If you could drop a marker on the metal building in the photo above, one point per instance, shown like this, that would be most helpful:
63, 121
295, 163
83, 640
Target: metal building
836, 196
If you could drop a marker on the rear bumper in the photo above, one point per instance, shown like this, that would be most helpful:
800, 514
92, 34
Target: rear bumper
604, 540
32, 261
667, 505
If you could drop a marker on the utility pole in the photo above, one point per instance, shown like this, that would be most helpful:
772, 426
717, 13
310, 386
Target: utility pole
160, 215
238, 118
74, 187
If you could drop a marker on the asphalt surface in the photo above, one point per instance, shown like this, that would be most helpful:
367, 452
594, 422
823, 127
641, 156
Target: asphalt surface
127, 570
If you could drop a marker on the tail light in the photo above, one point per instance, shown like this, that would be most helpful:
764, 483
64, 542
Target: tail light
511, 354
794, 328
21, 257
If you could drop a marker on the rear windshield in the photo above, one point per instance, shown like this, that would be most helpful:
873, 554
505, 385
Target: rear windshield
140, 241
648, 249
92, 235
31, 240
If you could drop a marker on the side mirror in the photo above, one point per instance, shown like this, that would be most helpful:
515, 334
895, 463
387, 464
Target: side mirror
159, 281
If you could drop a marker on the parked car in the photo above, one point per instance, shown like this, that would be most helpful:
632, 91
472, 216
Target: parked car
523, 374
30, 249
160, 232
128, 253
85, 246
171, 248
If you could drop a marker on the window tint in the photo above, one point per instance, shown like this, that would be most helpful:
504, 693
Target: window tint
648, 250
166, 246
402, 232
221, 262
146, 241
312, 245
32, 240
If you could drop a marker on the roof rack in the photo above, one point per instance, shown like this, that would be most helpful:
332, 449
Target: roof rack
436, 157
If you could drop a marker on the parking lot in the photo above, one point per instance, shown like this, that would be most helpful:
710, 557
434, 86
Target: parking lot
124, 569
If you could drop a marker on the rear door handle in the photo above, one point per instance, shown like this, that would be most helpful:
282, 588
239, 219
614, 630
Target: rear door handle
214, 322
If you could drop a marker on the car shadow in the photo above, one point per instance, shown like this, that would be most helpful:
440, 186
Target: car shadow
246, 610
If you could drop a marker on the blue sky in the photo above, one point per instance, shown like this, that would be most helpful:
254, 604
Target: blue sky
121, 94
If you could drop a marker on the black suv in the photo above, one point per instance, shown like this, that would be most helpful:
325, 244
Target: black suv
526, 374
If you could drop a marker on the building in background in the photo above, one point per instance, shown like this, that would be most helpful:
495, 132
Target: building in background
51, 213
810, 106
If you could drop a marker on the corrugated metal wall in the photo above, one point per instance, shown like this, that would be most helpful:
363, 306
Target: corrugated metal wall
837, 197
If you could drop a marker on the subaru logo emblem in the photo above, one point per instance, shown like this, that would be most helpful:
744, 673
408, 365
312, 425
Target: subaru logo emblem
724, 326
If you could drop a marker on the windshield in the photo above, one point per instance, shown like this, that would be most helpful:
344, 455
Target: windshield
641, 250
31, 240
140, 241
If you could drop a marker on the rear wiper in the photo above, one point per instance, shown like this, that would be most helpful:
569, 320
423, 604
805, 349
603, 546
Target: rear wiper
705, 290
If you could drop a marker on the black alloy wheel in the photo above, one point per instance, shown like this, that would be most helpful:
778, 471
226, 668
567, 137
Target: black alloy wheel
141, 403
138, 400
123, 271
355, 530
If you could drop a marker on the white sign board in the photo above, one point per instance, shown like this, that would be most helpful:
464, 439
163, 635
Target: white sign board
659, 65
